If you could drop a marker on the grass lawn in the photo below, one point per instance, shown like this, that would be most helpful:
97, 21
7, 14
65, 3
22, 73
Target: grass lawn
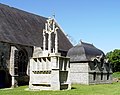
116, 75
101, 89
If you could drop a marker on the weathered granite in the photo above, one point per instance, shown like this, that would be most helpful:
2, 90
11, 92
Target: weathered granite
88, 65
49, 71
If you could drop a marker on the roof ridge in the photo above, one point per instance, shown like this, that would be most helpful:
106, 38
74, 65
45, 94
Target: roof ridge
21, 10
86, 43
19, 23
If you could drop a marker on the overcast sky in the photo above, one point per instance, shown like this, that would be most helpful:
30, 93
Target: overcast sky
92, 21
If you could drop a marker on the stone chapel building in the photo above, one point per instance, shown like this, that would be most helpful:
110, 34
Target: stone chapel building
88, 65
20, 39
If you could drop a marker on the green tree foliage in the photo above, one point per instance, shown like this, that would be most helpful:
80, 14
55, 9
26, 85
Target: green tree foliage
114, 58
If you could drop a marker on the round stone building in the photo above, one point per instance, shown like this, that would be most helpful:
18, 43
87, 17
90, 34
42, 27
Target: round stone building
88, 65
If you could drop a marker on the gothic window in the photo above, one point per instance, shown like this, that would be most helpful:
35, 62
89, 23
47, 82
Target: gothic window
21, 62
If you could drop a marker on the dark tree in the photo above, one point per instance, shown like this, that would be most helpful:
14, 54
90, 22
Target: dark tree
114, 58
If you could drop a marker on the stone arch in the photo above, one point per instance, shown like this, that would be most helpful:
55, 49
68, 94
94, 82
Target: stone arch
21, 62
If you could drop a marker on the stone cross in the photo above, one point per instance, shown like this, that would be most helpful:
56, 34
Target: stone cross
50, 27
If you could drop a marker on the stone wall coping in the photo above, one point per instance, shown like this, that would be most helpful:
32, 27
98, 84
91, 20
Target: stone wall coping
50, 57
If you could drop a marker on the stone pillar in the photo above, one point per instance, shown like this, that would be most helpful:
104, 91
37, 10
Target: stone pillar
12, 69
44, 41
55, 79
56, 41
55, 74
68, 69
49, 42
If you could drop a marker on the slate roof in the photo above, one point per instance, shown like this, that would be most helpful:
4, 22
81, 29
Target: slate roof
20, 27
83, 52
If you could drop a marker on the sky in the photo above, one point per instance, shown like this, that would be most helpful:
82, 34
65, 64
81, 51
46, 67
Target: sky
92, 21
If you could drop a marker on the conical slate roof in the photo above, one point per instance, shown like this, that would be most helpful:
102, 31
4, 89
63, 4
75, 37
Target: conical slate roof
83, 52
20, 27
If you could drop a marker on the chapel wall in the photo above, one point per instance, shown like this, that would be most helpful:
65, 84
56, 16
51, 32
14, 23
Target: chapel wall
79, 73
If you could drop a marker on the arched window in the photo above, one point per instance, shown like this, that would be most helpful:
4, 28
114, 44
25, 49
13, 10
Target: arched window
21, 62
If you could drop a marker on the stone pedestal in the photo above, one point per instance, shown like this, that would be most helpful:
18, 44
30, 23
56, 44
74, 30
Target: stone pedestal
14, 82
49, 73
55, 83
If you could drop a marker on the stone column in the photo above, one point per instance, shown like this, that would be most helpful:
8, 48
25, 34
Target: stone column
44, 41
68, 69
55, 74
12, 69
56, 41
55, 79
49, 42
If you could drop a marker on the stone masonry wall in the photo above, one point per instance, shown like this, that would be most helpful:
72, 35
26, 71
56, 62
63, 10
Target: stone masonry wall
79, 73
99, 73
4, 65
5, 53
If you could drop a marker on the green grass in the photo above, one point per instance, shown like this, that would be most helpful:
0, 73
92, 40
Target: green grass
101, 89
116, 75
